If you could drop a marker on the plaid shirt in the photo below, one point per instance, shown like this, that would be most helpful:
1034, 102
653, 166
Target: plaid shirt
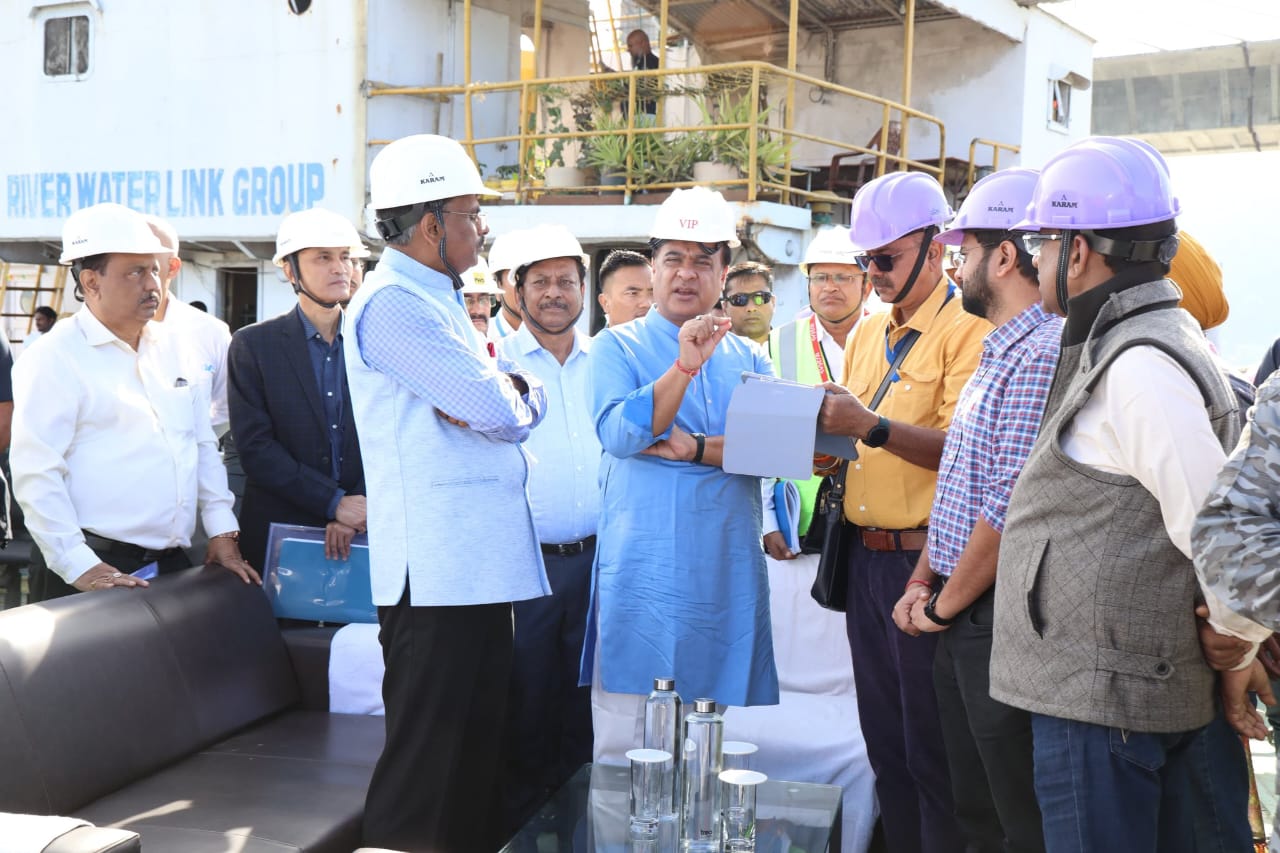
995, 424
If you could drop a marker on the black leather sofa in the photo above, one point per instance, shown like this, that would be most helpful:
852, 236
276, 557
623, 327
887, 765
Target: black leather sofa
181, 713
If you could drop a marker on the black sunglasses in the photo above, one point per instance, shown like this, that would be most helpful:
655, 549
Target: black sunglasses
740, 300
883, 261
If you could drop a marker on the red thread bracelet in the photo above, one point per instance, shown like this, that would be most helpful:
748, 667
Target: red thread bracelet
686, 371
923, 583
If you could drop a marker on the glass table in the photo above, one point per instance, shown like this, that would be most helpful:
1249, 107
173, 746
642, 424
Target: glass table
590, 814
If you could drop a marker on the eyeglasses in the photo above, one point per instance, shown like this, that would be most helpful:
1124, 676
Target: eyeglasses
478, 218
740, 300
962, 255
1033, 243
883, 261
822, 279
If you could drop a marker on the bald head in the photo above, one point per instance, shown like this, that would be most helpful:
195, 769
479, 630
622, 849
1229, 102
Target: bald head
637, 43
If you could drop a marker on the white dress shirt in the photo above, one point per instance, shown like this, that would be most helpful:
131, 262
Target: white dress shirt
564, 489
1146, 420
202, 340
112, 441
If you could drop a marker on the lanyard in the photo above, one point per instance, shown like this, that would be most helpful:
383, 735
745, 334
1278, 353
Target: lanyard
891, 353
819, 357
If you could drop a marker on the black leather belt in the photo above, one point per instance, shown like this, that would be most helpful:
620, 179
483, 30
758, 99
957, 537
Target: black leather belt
569, 549
123, 549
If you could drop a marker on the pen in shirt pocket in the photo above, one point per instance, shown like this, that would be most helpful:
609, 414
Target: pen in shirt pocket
180, 383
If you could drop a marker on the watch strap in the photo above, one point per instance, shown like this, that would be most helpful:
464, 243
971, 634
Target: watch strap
701, 439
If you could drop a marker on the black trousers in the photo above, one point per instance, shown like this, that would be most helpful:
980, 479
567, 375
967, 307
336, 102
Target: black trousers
549, 734
989, 748
437, 784
45, 584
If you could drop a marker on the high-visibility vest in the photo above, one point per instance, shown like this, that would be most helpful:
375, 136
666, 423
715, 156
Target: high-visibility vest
791, 350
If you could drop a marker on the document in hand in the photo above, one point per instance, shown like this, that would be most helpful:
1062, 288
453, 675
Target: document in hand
771, 429
301, 583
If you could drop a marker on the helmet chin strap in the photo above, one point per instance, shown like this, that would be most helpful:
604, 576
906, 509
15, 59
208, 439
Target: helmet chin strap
436, 209
299, 288
919, 265
1064, 260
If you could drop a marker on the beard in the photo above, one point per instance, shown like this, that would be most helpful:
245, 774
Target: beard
975, 293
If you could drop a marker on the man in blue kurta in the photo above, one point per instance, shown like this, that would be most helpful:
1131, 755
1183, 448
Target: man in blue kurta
680, 586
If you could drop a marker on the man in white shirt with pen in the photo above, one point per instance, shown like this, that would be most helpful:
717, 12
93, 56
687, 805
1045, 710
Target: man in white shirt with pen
111, 471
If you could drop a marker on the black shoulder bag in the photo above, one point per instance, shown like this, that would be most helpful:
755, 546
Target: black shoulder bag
828, 534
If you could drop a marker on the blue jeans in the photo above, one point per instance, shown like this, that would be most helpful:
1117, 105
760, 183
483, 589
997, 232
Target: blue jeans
1102, 788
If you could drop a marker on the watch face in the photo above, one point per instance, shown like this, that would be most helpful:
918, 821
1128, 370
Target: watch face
878, 435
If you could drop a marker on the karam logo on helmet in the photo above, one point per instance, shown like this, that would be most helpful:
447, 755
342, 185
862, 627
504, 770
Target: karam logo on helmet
79, 240
999, 207
1063, 202
431, 178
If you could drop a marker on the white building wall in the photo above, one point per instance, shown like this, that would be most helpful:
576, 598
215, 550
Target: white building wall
982, 83
1051, 49
220, 115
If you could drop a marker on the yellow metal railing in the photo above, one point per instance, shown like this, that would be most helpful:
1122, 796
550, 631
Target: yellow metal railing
769, 93
996, 148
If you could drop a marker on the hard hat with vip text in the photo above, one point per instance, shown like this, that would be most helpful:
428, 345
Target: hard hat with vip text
698, 215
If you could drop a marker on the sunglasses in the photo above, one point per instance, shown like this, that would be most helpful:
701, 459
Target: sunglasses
1033, 243
740, 300
882, 261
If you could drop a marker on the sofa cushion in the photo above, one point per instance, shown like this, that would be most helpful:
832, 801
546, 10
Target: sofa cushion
106, 688
212, 797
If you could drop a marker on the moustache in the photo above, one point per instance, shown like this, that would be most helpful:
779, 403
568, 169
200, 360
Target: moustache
554, 303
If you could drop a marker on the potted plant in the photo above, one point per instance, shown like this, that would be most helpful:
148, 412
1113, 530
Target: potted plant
725, 154
549, 160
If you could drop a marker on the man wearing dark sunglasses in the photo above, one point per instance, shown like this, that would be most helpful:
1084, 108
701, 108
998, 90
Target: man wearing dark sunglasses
889, 491
748, 300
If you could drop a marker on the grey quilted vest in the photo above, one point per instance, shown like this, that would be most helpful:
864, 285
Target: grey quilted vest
1094, 604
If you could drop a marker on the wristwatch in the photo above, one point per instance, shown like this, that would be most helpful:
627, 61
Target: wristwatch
931, 614
878, 434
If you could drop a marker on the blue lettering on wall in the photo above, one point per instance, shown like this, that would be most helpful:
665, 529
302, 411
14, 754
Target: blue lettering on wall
272, 190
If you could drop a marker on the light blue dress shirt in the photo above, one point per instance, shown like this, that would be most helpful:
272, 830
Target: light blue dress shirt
564, 492
679, 585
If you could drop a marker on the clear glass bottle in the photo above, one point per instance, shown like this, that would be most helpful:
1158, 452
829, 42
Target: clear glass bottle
662, 722
700, 767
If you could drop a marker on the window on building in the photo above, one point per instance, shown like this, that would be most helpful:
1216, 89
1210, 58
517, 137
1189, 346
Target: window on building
1059, 104
66, 46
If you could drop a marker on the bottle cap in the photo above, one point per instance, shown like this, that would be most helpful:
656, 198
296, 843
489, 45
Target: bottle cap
664, 684
704, 706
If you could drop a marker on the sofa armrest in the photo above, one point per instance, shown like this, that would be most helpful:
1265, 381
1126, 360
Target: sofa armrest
309, 652
95, 839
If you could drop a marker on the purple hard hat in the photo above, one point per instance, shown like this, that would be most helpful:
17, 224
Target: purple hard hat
996, 203
896, 204
1102, 182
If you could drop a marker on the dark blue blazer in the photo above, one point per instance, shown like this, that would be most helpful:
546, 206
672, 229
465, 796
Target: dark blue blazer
278, 423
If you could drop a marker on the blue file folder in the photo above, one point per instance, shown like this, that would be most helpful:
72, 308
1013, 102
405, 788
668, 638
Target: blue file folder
301, 583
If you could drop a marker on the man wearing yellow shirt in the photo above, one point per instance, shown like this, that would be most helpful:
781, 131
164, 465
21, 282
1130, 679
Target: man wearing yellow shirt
889, 492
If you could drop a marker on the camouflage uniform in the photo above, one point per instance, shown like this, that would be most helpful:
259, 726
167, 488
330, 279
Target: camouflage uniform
1236, 538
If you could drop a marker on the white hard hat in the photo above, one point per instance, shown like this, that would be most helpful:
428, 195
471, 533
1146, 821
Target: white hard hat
316, 228
831, 246
543, 242
505, 252
698, 215
478, 280
106, 228
421, 168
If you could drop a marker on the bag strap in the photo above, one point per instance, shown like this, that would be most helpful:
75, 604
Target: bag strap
837, 486
905, 347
